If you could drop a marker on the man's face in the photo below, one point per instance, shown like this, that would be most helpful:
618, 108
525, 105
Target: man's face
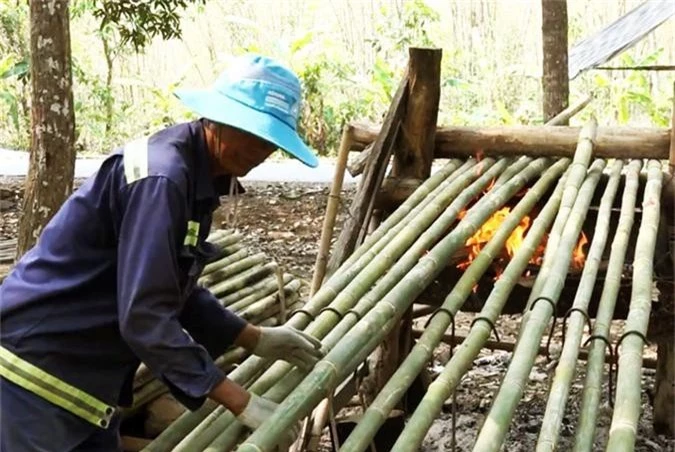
237, 152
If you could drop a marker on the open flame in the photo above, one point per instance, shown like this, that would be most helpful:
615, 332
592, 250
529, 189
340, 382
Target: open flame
484, 234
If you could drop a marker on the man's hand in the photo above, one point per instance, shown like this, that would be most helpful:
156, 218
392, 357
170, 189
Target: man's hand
287, 343
257, 411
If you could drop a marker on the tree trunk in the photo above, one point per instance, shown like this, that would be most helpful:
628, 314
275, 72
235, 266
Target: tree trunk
555, 80
52, 156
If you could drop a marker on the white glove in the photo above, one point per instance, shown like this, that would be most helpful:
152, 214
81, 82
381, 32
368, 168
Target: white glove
287, 343
257, 411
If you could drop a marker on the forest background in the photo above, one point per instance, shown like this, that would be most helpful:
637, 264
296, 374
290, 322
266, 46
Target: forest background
349, 54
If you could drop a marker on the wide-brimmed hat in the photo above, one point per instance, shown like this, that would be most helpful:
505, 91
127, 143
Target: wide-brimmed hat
258, 95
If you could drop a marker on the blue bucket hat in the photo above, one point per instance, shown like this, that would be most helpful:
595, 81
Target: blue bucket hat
258, 95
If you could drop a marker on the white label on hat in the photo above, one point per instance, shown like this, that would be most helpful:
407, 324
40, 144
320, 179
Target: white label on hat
277, 100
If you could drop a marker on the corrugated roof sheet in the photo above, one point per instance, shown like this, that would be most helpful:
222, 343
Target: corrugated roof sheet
619, 36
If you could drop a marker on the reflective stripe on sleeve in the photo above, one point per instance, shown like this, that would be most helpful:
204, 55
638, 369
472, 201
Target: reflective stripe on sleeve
192, 234
50, 388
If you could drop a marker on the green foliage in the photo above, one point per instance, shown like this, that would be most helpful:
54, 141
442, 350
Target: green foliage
349, 65
631, 95
14, 74
138, 21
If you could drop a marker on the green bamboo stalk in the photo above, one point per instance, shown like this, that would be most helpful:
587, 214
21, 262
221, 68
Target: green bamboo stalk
494, 429
603, 319
243, 279
268, 306
414, 363
229, 239
373, 327
264, 297
235, 266
627, 402
216, 234
510, 172
222, 262
367, 252
293, 303
346, 299
582, 159
565, 370
405, 213
255, 291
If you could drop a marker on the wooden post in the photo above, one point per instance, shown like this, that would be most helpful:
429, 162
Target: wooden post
664, 386
415, 144
412, 160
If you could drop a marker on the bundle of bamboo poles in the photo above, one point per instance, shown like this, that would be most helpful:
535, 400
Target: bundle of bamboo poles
250, 285
7, 250
357, 307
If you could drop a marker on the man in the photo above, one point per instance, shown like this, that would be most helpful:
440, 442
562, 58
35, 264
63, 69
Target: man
111, 281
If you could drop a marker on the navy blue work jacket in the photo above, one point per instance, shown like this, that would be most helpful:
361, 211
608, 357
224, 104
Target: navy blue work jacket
110, 282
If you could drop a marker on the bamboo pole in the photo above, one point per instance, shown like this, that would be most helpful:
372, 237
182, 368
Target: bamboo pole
414, 363
349, 351
585, 431
565, 370
564, 116
580, 164
244, 297
627, 403
255, 299
493, 432
331, 211
231, 267
326, 323
249, 276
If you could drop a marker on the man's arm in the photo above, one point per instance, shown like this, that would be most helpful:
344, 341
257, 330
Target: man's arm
214, 326
149, 289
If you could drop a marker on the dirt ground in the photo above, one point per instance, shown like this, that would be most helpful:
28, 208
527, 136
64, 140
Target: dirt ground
284, 220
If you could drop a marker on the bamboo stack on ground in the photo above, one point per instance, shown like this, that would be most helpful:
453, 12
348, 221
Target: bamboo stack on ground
229, 277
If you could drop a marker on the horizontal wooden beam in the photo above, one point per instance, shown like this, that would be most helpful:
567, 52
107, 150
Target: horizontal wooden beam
540, 141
